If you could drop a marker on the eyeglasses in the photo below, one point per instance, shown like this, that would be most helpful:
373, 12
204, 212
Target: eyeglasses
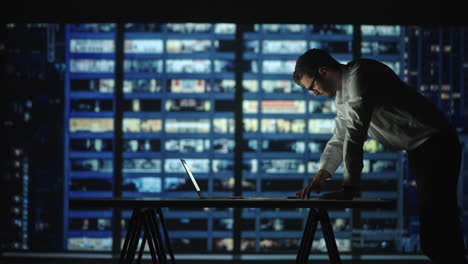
311, 86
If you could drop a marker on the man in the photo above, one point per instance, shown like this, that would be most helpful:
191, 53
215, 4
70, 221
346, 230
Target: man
372, 101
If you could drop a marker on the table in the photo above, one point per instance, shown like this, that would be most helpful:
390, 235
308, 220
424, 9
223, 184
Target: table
147, 215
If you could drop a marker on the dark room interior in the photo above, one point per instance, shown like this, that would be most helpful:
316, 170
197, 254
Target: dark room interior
101, 101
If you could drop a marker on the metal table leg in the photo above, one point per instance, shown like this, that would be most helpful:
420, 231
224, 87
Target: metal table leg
133, 226
151, 242
142, 248
124, 250
134, 239
153, 227
153, 235
330, 241
166, 235
307, 237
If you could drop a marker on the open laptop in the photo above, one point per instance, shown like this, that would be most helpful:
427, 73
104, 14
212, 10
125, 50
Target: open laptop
197, 188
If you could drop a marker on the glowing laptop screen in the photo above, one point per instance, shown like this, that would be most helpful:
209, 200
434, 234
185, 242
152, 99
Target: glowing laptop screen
189, 172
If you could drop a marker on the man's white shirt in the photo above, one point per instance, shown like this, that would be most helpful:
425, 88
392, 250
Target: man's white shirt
358, 116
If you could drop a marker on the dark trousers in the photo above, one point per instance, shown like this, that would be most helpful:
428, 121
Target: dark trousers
436, 167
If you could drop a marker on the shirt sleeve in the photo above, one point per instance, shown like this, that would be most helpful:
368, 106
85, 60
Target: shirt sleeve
359, 111
332, 155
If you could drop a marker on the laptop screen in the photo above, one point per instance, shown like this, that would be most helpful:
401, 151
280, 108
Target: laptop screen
189, 172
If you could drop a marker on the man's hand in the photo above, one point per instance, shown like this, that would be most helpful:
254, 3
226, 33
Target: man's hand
339, 195
317, 184
347, 193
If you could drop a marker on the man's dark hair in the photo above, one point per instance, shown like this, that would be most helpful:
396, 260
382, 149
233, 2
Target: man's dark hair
309, 63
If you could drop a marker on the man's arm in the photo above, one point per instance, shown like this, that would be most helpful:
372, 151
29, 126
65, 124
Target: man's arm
330, 159
359, 107
356, 135
332, 155
359, 112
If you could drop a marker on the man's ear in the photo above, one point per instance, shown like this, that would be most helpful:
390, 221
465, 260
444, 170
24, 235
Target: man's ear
323, 71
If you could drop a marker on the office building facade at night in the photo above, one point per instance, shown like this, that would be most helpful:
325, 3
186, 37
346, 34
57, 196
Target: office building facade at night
182, 88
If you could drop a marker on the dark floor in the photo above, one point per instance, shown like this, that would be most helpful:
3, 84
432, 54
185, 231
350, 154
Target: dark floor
91, 261
104, 258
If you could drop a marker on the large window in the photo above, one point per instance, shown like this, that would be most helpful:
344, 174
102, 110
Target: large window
179, 92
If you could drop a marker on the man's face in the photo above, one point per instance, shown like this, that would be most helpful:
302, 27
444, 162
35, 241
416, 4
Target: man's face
324, 86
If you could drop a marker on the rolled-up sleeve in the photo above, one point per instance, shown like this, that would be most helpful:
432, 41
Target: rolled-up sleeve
359, 114
332, 155
359, 111
354, 111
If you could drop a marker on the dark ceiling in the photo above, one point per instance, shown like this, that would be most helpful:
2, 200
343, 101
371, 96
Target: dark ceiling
308, 12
